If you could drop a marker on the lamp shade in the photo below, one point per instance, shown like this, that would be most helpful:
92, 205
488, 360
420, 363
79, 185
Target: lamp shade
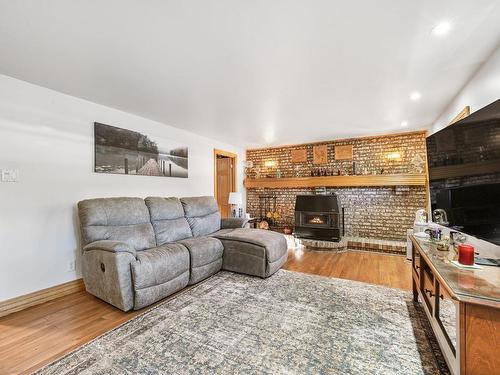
235, 198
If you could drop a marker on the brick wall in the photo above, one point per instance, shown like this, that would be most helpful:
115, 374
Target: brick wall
374, 212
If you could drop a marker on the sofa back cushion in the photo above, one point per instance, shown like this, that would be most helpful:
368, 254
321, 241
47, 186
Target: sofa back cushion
167, 217
116, 219
202, 214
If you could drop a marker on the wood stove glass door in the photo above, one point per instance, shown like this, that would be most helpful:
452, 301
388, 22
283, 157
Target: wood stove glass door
315, 219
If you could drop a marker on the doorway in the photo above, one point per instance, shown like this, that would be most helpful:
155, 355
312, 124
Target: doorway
224, 179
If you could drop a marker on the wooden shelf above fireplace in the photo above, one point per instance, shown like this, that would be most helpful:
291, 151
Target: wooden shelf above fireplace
337, 181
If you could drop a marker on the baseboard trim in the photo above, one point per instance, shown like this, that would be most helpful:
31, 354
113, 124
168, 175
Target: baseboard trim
36, 298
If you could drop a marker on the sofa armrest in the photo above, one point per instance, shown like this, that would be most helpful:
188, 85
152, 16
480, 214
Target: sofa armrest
233, 222
111, 246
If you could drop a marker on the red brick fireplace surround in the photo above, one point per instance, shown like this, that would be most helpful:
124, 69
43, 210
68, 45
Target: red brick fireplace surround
383, 212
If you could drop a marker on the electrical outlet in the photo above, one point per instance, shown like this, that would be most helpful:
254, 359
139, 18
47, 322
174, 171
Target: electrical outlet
71, 266
10, 175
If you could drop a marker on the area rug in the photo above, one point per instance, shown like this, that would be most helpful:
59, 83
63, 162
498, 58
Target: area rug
290, 323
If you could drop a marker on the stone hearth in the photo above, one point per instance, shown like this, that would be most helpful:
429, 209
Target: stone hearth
349, 243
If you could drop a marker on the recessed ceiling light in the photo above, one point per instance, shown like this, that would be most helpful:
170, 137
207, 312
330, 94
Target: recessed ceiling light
442, 28
404, 124
415, 96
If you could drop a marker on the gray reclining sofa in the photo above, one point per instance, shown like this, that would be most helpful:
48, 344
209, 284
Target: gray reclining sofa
137, 251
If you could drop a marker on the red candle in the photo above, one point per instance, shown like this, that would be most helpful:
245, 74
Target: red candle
466, 254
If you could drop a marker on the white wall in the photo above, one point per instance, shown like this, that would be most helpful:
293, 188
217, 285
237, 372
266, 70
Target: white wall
481, 90
48, 136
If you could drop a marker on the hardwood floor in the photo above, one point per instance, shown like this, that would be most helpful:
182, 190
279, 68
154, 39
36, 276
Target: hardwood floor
375, 268
34, 337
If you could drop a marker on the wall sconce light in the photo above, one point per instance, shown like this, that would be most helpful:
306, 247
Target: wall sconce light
394, 156
270, 163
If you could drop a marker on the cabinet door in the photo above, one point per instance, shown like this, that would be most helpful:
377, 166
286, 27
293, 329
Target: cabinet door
415, 260
428, 288
482, 340
446, 314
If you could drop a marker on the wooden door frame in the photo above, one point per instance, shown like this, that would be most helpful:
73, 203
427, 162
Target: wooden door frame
235, 163
461, 115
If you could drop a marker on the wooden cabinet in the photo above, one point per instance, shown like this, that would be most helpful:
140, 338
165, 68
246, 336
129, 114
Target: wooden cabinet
443, 315
466, 326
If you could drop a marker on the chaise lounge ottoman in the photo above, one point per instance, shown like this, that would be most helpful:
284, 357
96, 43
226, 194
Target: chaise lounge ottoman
253, 252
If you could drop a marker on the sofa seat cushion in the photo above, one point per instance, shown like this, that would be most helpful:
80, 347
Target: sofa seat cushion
203, 250
158, 265
206, 257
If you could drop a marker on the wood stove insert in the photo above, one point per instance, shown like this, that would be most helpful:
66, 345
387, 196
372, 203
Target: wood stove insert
318, 217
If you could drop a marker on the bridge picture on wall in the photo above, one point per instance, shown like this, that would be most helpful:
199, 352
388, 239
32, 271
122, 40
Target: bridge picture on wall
122, 151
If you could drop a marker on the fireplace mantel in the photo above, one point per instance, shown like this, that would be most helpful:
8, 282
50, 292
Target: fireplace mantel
338, 181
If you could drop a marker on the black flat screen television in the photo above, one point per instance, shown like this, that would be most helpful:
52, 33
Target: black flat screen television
464, 174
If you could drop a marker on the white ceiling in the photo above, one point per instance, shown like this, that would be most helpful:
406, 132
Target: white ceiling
255, 72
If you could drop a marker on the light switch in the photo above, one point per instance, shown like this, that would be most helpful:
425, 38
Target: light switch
10, 175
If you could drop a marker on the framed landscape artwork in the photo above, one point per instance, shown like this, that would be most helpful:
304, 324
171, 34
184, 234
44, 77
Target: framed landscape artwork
122, 151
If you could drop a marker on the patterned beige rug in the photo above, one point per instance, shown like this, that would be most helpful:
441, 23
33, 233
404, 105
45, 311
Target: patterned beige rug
291, 323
